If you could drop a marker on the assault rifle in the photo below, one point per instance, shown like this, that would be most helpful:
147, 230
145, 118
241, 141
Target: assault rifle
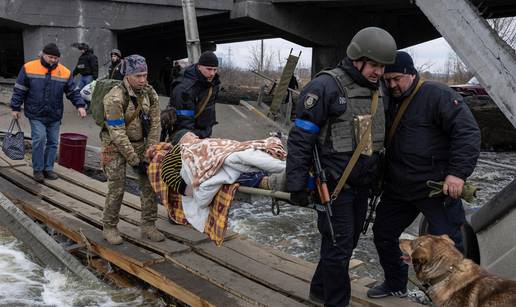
324, 194
373, 203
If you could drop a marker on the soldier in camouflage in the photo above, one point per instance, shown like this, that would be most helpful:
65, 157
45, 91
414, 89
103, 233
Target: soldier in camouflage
124, 141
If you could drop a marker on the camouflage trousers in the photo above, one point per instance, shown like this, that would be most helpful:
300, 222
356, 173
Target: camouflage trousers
114, 166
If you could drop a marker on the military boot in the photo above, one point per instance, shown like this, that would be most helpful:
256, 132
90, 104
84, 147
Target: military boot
151, 233
112, 235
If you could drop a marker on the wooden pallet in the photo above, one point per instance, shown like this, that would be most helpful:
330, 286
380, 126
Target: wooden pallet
187, 265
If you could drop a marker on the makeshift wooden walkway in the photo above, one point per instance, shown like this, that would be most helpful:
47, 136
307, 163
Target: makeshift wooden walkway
187, 265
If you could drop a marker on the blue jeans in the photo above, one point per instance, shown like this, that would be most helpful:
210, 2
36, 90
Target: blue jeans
85, 80
45, 137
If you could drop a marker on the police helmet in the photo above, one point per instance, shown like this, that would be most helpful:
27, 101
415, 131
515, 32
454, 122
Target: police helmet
373, 43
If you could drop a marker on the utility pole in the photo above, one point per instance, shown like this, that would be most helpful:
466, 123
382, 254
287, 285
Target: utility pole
229, 58
261, 57
193, 44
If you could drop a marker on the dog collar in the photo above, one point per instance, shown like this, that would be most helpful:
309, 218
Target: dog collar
434, 281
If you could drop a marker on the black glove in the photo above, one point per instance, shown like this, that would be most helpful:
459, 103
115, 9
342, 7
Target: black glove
300, 198
141, 168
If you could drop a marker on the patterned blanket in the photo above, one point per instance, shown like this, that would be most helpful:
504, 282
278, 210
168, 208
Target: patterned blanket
204, 157
216, 224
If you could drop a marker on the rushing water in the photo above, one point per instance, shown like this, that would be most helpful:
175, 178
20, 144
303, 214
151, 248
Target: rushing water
295, 230
23, 282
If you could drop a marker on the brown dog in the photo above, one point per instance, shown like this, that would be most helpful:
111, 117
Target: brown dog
453, 280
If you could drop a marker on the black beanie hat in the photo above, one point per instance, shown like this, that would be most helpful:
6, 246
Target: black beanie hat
403, 64
208, 58
51, 49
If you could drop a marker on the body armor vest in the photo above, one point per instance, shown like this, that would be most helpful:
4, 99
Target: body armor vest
339, 132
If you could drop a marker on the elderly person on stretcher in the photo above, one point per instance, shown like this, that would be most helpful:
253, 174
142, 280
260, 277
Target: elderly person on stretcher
198, 168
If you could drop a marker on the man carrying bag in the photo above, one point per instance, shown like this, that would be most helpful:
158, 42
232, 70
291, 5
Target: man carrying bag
39, 87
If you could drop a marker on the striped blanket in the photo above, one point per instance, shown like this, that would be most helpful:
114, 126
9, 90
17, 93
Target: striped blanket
216, 224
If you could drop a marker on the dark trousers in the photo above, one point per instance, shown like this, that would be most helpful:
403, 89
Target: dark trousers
331, 278
393, 217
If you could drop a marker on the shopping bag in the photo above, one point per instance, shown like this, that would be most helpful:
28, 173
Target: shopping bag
13, 145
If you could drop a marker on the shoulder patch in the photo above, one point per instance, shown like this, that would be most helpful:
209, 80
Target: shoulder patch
310, 100
342, 100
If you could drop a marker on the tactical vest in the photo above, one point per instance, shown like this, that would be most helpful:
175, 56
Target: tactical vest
339, 133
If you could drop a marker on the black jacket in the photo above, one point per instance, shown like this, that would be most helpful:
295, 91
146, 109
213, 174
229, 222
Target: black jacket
437, 136
114, 70
187, 93
87, 65
330, 104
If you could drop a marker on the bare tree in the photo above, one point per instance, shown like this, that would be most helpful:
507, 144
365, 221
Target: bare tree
419, 67
506, 29
255, 58
457, 71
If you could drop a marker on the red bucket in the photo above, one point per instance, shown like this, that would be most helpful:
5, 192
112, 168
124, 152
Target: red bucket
72, 149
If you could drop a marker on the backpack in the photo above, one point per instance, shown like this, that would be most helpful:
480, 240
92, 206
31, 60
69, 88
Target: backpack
102, 87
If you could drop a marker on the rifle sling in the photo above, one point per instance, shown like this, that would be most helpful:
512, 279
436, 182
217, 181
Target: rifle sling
136, 112
204, 102
401, 111
361, 145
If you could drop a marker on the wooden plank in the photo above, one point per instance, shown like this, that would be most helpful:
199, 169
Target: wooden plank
10, 162
359, 296
167, 270
100, 188
94, 215
354, 263
256, 253
141, 263
178, 232
285, 256
365, 281
255, 270
233, 282
43, 246
102, 266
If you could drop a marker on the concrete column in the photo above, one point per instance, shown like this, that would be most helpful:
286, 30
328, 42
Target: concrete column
323, 57
478, 45
101, 40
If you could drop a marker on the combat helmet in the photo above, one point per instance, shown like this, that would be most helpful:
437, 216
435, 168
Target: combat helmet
117, 52
373, 43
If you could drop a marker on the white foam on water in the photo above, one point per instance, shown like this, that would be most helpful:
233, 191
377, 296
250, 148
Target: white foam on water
23, 282
62, 290
20, 278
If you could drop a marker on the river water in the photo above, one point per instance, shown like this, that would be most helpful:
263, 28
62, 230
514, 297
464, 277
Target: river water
24, 282
294, 231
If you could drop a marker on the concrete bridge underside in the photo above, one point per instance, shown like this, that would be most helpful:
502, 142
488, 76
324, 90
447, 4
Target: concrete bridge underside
154, 28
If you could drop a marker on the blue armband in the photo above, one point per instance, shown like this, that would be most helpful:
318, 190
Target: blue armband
115, 122
311, 184
307, 126
186, 113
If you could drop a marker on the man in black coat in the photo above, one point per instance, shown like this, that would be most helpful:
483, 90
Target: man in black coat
325, 119
193, 96
87, 66
437, 139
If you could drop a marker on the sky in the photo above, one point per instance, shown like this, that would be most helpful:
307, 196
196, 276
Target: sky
434, 52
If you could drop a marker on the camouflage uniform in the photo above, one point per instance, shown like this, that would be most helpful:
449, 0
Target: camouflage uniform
121, 144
